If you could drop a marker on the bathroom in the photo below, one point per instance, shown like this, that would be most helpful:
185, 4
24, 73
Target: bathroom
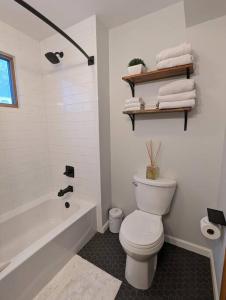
72, 149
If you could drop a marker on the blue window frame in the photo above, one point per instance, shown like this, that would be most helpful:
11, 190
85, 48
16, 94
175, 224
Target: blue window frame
8, 93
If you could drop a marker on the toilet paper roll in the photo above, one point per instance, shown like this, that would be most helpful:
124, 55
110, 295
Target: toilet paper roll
210, 230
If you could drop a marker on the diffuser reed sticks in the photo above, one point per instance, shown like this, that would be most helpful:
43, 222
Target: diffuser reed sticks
152, 171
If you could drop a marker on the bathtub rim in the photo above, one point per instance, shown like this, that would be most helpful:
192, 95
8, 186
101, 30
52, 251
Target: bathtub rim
84, 207
25, 207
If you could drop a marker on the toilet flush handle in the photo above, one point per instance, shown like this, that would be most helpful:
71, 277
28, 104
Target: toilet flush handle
134, 183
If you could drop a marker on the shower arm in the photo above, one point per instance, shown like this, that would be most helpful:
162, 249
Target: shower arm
60, 31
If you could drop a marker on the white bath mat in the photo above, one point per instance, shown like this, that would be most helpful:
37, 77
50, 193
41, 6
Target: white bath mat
80, 280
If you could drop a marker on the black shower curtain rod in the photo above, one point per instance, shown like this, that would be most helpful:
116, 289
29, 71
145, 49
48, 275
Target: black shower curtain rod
60, 31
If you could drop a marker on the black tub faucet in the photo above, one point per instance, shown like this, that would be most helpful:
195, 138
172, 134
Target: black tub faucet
65, 191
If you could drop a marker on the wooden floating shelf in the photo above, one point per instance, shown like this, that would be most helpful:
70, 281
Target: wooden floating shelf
160, 74
132, 80
133, 113
156, 110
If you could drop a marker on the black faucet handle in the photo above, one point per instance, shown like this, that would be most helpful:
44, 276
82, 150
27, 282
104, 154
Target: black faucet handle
69, 171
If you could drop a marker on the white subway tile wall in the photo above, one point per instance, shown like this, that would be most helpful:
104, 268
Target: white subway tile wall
71, 101
24, 157
57, 121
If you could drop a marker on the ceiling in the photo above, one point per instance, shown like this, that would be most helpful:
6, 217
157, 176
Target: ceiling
69, 12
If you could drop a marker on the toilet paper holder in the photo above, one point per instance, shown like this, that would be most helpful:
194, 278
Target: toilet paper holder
216, 216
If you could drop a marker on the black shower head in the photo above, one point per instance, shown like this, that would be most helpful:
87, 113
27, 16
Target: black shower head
53, 57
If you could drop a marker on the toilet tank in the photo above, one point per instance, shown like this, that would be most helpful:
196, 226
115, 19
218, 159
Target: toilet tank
154, 196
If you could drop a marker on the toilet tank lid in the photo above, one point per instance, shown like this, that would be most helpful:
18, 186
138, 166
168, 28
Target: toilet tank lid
163, 182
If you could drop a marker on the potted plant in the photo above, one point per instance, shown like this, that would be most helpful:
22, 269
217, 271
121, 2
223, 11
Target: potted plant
136, 66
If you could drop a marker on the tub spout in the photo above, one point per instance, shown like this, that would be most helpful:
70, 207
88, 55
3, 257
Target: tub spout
65, 191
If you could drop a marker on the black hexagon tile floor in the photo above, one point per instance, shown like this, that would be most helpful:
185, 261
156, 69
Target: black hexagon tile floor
180, 275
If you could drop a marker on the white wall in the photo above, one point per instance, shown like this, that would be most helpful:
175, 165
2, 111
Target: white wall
104, 116
209, 38
219, 246
192, 157
71, 99
24, 169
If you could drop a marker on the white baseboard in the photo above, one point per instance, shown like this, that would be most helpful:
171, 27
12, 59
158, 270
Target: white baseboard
199, 250
188, 246
104, 227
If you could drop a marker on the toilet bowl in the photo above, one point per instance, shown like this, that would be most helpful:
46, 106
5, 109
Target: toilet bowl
141, 233
141, 237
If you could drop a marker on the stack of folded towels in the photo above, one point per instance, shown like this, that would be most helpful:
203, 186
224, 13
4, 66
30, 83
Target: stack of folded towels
135, 103
177, 94
176, 56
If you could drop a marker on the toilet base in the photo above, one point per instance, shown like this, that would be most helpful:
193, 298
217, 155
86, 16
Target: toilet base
140, 273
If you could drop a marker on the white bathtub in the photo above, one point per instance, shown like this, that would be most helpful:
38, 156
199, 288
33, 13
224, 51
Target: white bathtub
38, 239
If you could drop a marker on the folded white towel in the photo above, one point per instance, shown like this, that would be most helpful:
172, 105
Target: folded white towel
137, 107
135, 100
3, 265
151, 105
175, 61
133, 105
177, 104
132, 109
178, 86
177, 97
179, 50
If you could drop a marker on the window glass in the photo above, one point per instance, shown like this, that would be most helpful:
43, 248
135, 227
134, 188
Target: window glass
6, 96
7, 84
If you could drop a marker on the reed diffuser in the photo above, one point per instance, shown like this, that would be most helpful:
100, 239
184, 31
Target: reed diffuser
152, 170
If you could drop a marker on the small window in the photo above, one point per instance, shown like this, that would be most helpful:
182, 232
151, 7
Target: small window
8, 93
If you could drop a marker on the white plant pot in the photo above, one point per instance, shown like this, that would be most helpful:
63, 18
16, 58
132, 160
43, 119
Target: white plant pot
138, 69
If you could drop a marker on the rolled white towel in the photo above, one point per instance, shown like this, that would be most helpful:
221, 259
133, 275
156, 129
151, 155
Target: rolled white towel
177, 97
133, 107
177, 104
176, 87
179, 50
134, 100
175, 61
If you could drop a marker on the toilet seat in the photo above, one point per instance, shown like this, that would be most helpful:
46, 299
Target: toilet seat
142, 232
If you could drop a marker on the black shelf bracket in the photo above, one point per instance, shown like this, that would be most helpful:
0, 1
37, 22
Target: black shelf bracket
185, 120
188, 73
132, 86
132, 118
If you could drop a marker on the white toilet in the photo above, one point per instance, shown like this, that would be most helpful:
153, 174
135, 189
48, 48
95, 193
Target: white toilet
141, 233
